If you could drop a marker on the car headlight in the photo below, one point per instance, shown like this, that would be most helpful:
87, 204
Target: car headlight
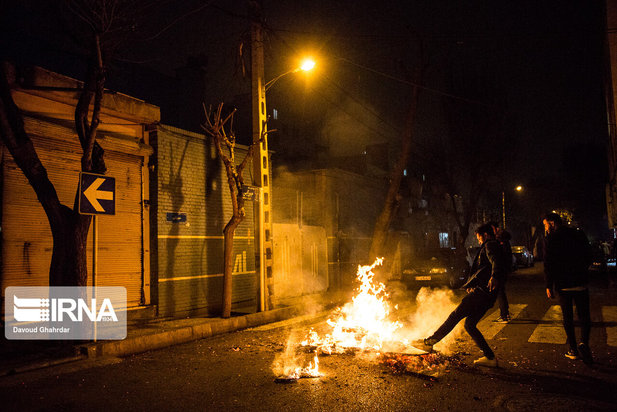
438, 270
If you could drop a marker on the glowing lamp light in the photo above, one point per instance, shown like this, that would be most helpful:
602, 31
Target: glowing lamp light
519, 188
307, 64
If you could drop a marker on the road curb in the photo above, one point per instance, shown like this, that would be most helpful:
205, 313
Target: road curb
40, 365
162, 339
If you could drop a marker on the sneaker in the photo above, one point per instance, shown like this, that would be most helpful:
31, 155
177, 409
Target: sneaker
424, 344
585, 353
484, 361
572, 354
502, 319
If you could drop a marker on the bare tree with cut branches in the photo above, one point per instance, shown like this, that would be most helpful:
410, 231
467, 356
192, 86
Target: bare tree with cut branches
220, 129
97, 27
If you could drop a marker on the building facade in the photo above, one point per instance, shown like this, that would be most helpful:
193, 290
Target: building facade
47, 102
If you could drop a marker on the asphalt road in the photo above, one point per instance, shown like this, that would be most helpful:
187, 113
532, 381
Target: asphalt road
235, 371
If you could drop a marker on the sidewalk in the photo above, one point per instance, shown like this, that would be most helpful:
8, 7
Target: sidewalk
23, 356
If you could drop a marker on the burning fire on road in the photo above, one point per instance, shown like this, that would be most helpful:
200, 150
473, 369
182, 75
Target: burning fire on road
365, 325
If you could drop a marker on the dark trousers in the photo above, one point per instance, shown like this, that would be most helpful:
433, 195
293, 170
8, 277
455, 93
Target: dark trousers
472, 308
502, 300
581, 300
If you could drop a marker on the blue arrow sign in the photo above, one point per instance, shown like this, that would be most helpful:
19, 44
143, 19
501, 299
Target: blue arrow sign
97, 194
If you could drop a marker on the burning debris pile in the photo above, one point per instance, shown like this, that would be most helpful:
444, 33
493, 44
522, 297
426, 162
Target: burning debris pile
362, 325
428, 366
286, 367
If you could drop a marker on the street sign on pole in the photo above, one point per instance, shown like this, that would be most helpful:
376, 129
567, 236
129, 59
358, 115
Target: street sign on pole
97, 194
250, 192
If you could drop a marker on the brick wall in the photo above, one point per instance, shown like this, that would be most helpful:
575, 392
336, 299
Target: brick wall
188, 182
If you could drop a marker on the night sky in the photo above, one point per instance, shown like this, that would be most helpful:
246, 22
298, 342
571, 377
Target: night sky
537, 66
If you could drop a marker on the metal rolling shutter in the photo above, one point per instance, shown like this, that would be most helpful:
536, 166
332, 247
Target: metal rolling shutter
27, 242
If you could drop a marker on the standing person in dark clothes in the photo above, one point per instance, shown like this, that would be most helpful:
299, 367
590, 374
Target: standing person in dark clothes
482, 286
503, 237
567, 259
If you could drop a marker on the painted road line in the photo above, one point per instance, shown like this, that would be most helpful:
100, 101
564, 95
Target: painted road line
609, 314
490, 329
550, 330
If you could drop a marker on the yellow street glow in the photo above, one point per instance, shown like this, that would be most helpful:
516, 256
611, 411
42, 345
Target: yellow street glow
307, 64
519, 188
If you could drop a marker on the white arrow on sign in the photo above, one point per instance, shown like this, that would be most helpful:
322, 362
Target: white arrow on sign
93, 194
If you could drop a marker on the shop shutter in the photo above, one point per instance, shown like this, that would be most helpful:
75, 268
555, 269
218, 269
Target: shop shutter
27, 241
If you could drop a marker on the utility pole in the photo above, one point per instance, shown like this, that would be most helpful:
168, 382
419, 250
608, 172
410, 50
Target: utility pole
261, 160
503, 208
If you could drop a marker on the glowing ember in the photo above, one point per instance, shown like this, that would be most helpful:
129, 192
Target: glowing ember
362, 323
428, 366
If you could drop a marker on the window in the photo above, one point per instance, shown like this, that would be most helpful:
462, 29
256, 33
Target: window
444, 239
275, 114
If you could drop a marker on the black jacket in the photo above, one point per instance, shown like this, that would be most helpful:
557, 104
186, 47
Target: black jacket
567, 258
489, 262
504, 239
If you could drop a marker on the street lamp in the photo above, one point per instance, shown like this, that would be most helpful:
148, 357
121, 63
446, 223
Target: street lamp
518, 188
306, 65
261, 163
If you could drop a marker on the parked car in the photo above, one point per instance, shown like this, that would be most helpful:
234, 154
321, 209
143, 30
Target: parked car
437, 267
522, 256
472, 251
599, 261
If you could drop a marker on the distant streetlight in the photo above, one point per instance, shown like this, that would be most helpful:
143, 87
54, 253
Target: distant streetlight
306, 65
518, 188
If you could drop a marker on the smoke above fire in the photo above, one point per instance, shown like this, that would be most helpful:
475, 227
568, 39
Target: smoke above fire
373, 322
432, 307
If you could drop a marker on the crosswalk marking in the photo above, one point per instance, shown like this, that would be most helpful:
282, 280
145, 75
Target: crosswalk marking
551, 329
609, 314
490, 329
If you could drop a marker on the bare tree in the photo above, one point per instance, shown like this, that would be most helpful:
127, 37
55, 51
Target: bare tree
466, 162
98, 26
391, 204
220, 130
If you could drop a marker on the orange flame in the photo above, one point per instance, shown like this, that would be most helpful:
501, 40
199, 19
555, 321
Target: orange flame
362, 323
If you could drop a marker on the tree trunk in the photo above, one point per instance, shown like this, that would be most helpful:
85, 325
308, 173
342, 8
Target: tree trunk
69, 259
228, 262
382, 225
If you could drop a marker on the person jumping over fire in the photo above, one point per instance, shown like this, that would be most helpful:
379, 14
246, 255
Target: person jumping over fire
487, 272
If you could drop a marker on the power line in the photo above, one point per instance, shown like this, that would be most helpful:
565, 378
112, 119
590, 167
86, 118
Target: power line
177, 19
408, 82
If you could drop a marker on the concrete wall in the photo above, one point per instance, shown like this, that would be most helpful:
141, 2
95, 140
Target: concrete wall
345, 204
300, 260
